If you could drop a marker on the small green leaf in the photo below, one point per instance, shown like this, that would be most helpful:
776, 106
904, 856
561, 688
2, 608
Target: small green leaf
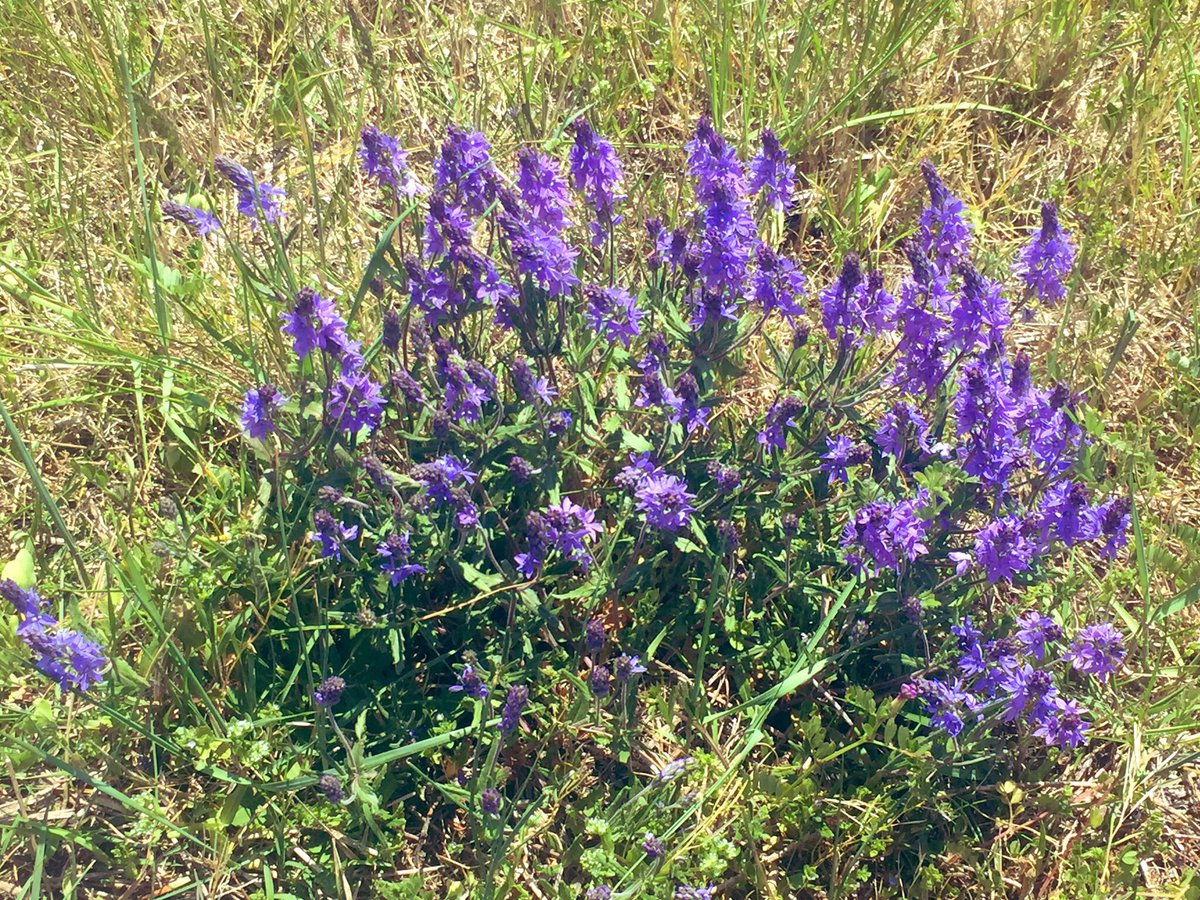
20, 567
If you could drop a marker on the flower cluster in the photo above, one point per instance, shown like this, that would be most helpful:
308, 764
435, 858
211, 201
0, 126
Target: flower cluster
60, 653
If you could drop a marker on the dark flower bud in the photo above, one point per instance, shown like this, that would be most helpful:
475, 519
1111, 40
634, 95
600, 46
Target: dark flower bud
600, 681
653, 847
441, 425
376, 472
327, 493
593, 635
332, 788
489, 802
391, 330
521, 469
791, 525
329, 691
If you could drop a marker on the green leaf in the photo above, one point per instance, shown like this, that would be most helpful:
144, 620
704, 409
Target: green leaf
20, 567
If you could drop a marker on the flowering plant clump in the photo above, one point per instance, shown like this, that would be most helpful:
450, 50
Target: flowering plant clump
520, 447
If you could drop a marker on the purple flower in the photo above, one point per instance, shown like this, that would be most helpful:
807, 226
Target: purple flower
593, 635
565, 527
255, 198
842, 453
782, 414
464, 169
665, 501
470, 683
1046, 260
920, 353
62, 654
600, 681
1030, 691
985, 419
355, 402
1003, 549
528, 386
839, 309
314, 323
521, 469
412, 392
714, 165
468, 384
385, 161
902, 429
489, 802
980, 314
948, 703
545, 257
330, 534
727, 478
514, 705
683, 892
395, 553
598, 892
771, 173
684, 403
1054, 434
889, 533
445, 481
1063, 724
625, 667
201, 221
448, 231
945, 232
653, 847
613, 313
25, 601
674, 768
543, 190
1035, 631
329, 692
332, 788
1097, 650
777, 284
1114, 525
596, 173
258, 410
1067, 516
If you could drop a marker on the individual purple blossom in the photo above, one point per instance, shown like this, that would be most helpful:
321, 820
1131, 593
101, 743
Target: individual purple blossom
199, 220
258, 410
665, 501
489, 802
329, 692
1035, 631
1063, 724
558, 423
1097, 650
901, 430
626, 666
514, 705
395, 553
355, 402
464, 170
448, 232
980, 314
446, 481
1003, 549
1031, 693
944, 231
331, 787
684, 892
777, 284
771, 173
528, 386
62, 654
612, 313
543, 191
1046, 261
331, 534
947, 704
839, 302
470, 683
598, 892
313, 324
596, 173
600, 681
593, 635
1114, 525
255, 199
727, 478
386, 162
890, 534
1066, 514
565, 527
653, 847
782, 414
686, 407
842, 453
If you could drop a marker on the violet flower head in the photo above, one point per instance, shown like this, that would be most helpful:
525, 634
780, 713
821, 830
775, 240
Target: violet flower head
543, 191
355, 402
395, 554
1063, 725
901, 430
464, 170
331, 787
841, 454
331, 534
446, 481
489, 802
665, 501
839, 311
1035, 631
199, 220
62, 654
653, 847
470, 683
313, 324
1030, 693
1114, 525
1067, 515
596, 173
256, 200
684, 892
1003, 549
625, 667
529, 387
777, 284
727, 478
771, 173
600, 681
565, 527
329, 692
613, 313
514, 705
782, 414
1097, 650
598, 892
944, 231
1046, 261
258, 410
386, 162
890, 534
593, 635
25, 601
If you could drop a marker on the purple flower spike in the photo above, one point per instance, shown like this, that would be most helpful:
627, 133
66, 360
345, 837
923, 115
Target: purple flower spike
258, 410
199, 220
1097, 650
771, 173
1047, 259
